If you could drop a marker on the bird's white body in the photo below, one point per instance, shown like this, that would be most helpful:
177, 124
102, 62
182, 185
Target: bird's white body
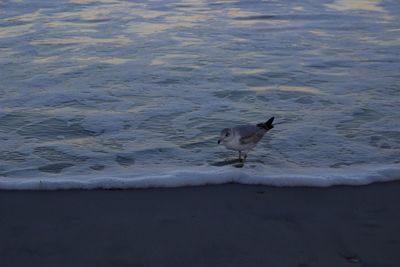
243, 138
235, 142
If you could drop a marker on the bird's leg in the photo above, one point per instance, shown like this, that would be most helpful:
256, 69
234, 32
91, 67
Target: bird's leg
244, 157
240, 155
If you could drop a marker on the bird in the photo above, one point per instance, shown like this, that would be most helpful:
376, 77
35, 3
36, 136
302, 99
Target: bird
243, 138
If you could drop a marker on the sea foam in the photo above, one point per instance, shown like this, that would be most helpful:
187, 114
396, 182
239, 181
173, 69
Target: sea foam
83, 107
316, 177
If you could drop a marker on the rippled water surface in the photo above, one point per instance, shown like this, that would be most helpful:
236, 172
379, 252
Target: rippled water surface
104, 87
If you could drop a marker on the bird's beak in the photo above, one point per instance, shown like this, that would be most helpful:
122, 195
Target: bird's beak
219, 141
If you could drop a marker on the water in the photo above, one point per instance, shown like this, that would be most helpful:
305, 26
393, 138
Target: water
133, 94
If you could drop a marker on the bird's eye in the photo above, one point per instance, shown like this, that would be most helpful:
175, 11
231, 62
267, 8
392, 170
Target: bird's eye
227, 134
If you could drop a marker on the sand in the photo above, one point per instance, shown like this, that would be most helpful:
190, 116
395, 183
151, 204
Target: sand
225, 225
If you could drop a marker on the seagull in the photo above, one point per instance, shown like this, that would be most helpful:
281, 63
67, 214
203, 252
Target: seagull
243, 138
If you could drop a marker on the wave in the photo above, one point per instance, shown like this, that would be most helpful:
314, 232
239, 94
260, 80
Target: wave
313, 177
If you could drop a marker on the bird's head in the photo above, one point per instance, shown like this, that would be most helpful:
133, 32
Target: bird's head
225, 135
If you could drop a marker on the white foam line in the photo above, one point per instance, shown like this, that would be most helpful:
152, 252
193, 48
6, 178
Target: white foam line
311, 178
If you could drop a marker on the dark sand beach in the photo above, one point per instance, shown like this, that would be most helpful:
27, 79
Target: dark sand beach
225, 225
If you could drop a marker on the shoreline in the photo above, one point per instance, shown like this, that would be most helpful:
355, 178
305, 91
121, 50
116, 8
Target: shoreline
214, 225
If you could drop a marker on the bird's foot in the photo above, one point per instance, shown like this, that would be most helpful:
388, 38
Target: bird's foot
238, 165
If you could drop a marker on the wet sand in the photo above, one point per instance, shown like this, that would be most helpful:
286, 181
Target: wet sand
225, 225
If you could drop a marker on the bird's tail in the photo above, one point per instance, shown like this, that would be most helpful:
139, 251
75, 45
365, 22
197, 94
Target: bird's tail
267, 125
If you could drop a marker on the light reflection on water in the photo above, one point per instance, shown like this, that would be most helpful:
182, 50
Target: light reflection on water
95, 86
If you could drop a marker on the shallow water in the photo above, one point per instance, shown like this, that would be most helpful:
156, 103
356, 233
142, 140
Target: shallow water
120, 89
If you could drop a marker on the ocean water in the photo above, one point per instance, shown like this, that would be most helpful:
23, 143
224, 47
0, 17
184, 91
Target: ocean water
122, 94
